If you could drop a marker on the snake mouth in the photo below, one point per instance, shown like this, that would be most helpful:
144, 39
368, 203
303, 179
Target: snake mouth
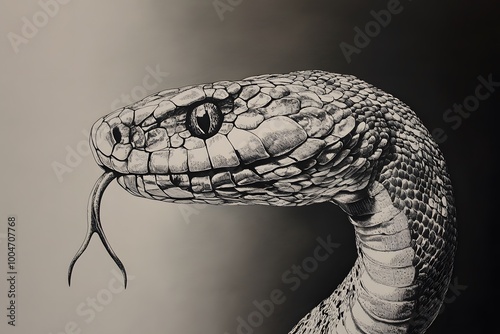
94, 223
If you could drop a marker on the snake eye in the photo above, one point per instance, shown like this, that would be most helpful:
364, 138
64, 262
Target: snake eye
205, 120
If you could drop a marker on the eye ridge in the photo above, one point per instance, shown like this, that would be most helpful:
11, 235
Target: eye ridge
204, 120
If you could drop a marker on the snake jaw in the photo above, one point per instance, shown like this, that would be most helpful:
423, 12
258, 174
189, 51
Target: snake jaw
94, 225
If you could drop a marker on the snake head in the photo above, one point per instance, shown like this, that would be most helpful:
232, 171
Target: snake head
273, 139
298, 139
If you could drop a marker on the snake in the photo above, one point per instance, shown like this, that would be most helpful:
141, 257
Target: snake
298, 139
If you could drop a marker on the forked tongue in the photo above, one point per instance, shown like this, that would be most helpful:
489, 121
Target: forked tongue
94, 225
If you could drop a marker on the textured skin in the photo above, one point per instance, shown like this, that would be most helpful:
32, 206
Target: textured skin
297, 139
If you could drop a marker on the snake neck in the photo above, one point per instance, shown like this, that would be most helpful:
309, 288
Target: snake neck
406, 238
383, 291
384, 294
380, 293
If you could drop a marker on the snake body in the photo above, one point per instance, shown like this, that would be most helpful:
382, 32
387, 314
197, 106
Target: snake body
297, 139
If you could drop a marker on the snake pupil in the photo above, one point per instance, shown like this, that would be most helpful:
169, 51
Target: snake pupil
204, 122
117, 135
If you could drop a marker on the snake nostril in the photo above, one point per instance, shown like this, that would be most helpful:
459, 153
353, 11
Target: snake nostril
117, 135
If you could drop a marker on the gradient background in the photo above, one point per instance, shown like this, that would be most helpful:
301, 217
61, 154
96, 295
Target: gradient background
199, 275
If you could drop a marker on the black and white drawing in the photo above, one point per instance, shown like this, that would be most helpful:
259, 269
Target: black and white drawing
248, 167
297, 139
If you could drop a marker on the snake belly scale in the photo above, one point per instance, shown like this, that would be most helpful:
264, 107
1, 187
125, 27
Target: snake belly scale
298, 139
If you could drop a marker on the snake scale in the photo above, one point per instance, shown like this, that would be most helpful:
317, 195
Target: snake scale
297, 139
